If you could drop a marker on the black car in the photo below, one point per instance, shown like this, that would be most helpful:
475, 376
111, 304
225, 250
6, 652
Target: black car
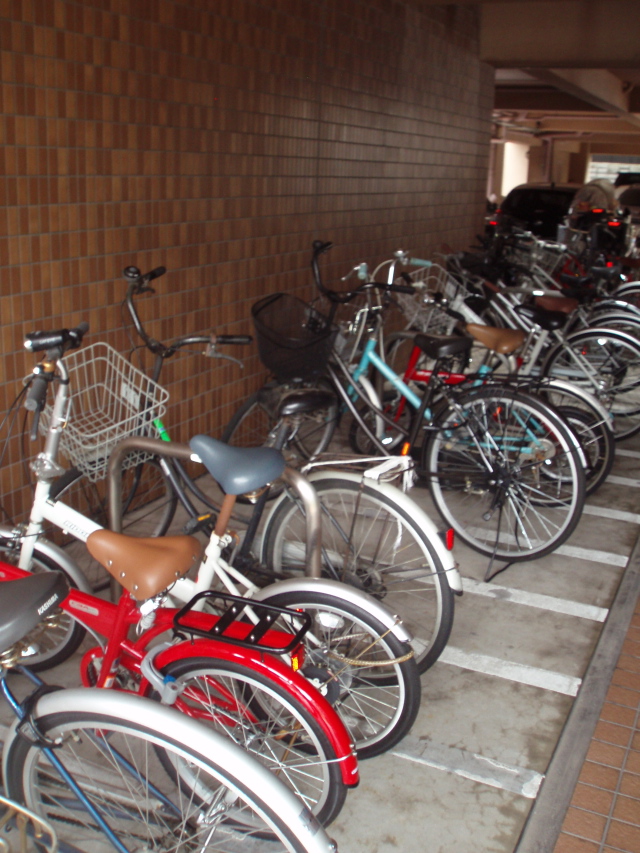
539, 208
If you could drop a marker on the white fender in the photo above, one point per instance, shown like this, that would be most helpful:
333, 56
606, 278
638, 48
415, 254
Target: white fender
344, 592
55, 555
126, 707
405, 502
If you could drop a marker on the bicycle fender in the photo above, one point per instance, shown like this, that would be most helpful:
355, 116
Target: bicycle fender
344, 592
193, 734
589, 399
55, 555
412, 509
281, 673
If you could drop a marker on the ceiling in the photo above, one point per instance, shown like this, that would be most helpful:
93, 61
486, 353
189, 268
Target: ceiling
565, 69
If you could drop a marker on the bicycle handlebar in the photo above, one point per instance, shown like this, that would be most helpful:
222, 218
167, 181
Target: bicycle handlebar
140, 284
319, 248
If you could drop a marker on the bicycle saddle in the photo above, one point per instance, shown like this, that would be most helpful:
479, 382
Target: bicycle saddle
144, 566
548, 320
238, 469
440, 346
26, 602
504, 341
304, 401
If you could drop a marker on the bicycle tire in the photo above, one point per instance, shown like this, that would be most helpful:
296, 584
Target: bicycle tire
268, 722
360, 442
113, 756
508, 503
372, 543
606, 363
378, 702
59, 636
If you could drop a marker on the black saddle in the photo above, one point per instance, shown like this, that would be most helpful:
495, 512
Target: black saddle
548, 320
441, 346
25, 602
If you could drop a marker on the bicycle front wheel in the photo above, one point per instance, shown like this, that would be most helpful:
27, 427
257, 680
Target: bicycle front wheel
361, 668
157, 780
269, 723
371, 542
505, 473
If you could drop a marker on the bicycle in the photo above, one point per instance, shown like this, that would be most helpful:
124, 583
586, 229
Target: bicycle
355, 642
113, 771
402, 545
218, 669
507, 355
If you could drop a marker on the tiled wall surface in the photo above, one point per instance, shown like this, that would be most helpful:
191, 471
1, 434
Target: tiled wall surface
219, 138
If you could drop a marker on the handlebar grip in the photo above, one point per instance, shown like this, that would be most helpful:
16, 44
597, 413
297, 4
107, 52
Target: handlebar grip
233, 339
36, 395
418, 262
319, 247
402, 288
156, 273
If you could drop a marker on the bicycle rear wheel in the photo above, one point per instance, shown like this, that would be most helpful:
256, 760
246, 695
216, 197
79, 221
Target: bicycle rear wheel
267, 722
361, 668
505, 473
204, 795
371, 542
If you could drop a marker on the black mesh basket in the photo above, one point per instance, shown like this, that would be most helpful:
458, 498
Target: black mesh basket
294, 340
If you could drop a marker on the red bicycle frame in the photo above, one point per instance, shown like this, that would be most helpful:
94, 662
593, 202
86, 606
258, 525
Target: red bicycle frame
115, 622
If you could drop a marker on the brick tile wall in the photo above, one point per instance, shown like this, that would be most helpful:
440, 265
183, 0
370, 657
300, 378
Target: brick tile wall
219, 139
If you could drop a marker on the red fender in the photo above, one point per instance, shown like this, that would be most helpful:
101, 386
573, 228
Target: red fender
294, 683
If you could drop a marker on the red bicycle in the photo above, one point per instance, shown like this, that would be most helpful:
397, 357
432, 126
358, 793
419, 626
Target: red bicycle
224, 669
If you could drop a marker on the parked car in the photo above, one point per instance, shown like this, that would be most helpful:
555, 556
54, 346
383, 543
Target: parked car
539, 208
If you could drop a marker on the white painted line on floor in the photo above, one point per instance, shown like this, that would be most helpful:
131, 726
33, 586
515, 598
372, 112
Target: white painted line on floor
470, 765
592, 556
629, 482
519, 672
535, 599
615, 514
568, 550
632, 454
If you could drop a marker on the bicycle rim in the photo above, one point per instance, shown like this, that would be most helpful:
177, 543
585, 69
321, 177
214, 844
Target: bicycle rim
268, 724
504, 473
359, 667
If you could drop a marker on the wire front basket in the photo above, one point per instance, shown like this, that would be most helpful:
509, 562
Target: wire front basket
422, 309
110, 400
294, 339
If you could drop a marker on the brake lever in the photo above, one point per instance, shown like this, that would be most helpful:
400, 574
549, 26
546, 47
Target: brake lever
212, 352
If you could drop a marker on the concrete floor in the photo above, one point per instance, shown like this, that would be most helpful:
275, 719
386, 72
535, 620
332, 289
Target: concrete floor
494, 706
